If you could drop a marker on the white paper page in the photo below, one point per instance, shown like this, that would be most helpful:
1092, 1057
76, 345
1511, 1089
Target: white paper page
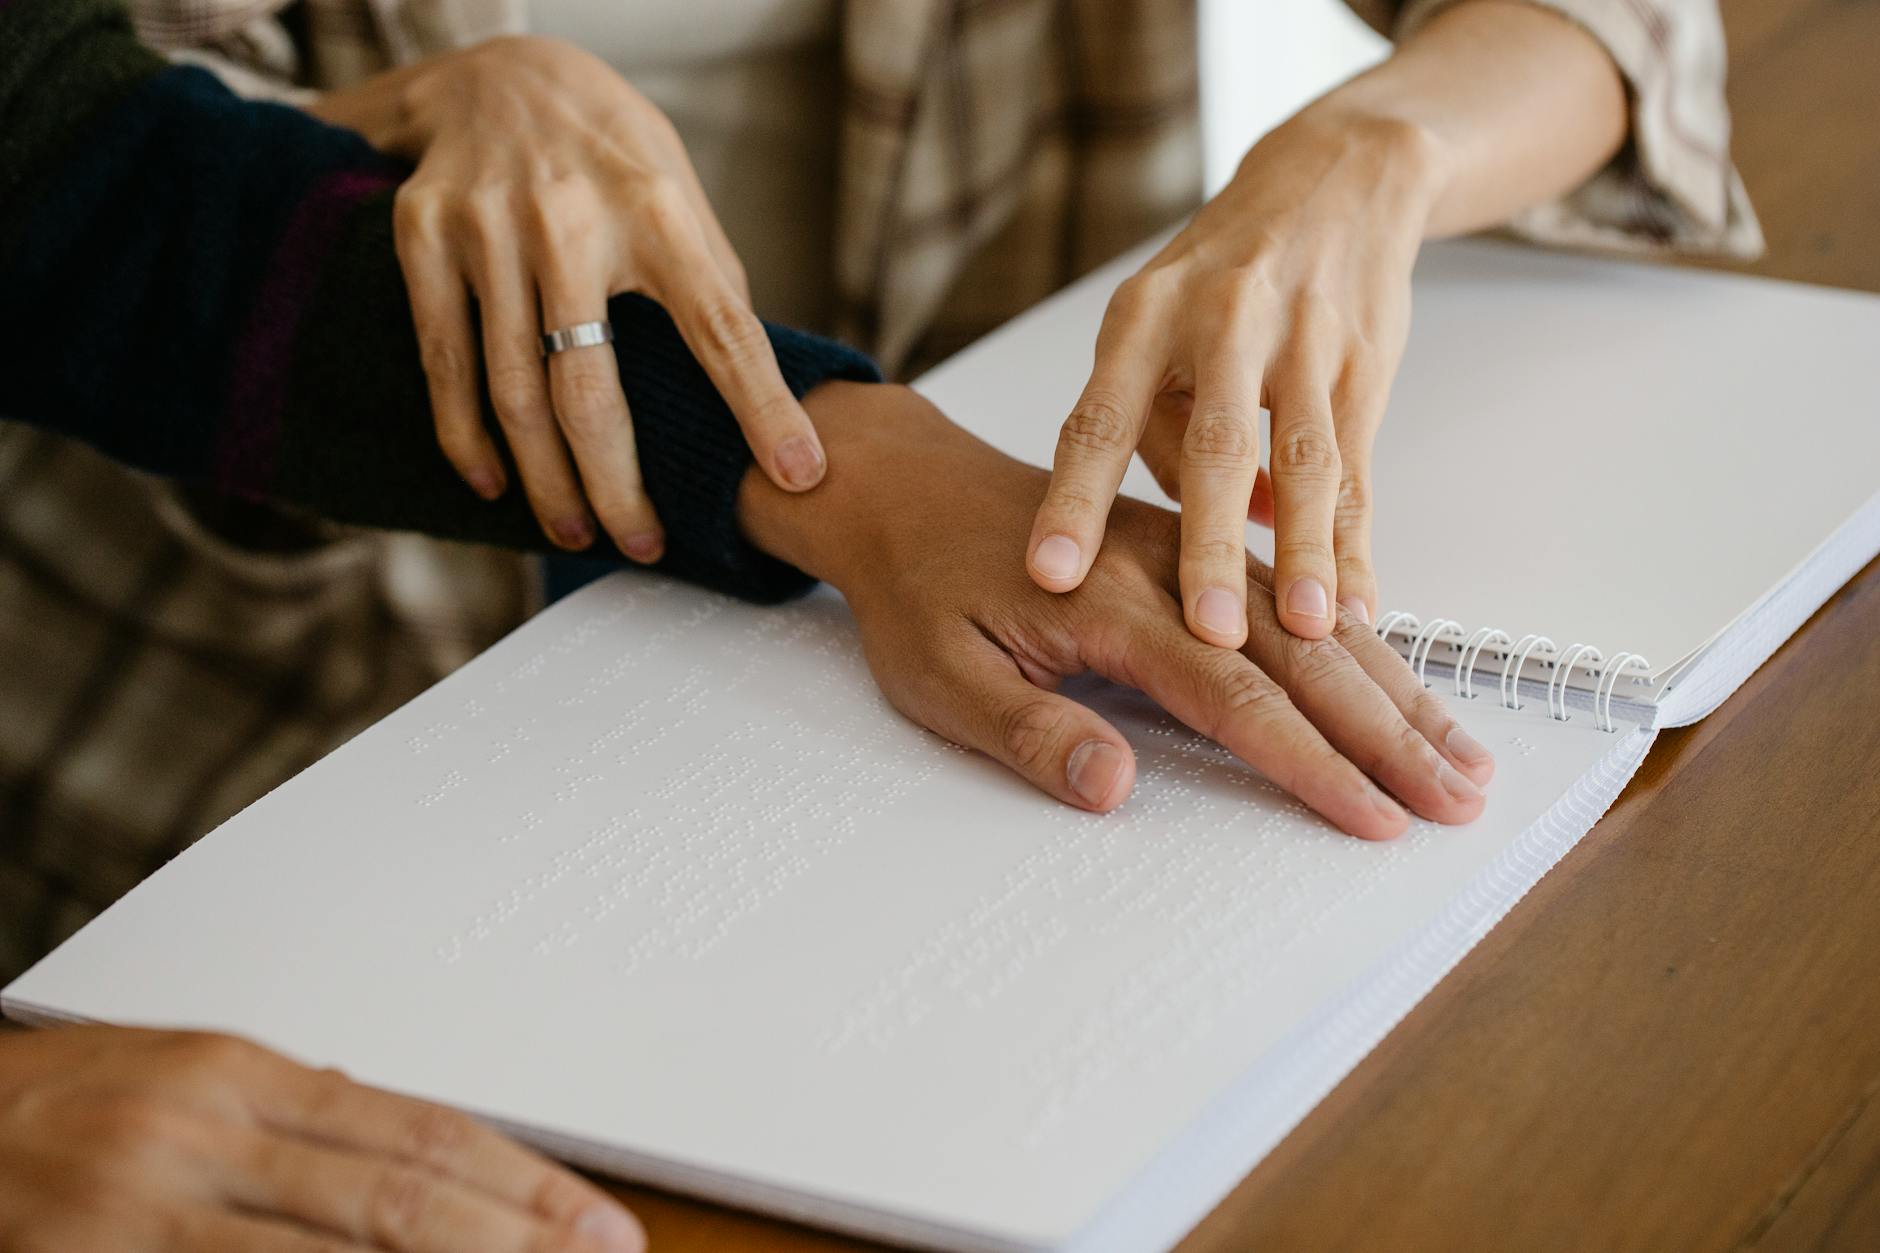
1623, 454
663, 874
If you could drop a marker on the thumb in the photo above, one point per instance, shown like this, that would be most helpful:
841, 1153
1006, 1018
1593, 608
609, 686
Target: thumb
1054, 743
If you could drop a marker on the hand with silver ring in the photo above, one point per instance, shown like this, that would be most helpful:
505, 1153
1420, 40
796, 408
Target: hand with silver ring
545, 184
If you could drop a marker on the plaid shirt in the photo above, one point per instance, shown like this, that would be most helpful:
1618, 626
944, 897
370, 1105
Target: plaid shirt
166, 659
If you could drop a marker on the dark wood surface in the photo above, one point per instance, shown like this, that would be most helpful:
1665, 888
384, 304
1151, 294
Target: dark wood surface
1674, 1041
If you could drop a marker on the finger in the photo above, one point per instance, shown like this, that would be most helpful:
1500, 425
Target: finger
1220, 458
1421, 707
440, 312
1260, 507
1361, 721
1359, 406
518, 379
208, 1230
591, 409
1059, 746
1096, 441
395, 1206
1223, 696
1161, 445
327, 1108
1306, 474
729, 342
715, 238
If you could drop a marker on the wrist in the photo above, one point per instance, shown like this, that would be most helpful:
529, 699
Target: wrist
380, 109
1404, 164
875, 436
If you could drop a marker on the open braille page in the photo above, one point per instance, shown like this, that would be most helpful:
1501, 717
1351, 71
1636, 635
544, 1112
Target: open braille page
662, 884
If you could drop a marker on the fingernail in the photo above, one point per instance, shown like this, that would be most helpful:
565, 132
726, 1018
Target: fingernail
1307, 598
1356, 607
1465, 747
645, 548
611, 1227
1385, 806
1218, 611
575, 532
486, 484
1092, 770
1057, 557
1458, 787
801, 462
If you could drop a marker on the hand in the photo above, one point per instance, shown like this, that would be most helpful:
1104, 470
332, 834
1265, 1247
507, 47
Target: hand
115, 1140
545, 184
1290, 290
918, 526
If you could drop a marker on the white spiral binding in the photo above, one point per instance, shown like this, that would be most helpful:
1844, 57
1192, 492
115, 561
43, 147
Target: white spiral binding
1471, 654
1439, 628
1606, 674
1562, 669
1517, 661
1602, 697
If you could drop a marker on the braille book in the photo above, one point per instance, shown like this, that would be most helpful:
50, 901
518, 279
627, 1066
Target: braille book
661, 885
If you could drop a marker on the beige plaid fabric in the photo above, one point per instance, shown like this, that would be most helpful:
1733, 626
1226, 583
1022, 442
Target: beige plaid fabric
165, 661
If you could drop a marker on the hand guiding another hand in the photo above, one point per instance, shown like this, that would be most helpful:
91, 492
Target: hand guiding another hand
918, 526
1290, 292
544, 185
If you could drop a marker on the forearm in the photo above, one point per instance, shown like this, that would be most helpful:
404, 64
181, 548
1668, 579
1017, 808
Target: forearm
1495, 105
246, 325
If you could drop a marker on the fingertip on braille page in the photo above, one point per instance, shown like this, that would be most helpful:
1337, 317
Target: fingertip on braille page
612, 1228
1095, 771
1455, 783
1466, 749
1389, 810
1057, 557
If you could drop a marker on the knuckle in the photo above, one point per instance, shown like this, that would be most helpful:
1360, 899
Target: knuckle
1243, 693
1306, 452
213, 1051
589, 401
1028, 732
416, 210
1212, 551
436, 1135
515, 393
660, 204
1219, 438
1353, 506
397, 1203
1134, 298
728, 329
445, 360
1301, 554
1099, 424
1319, 663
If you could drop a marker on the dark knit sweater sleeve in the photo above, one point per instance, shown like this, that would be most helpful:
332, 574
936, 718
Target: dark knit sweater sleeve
206, 288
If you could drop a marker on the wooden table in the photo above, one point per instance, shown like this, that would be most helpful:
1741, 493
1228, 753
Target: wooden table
1674, 1041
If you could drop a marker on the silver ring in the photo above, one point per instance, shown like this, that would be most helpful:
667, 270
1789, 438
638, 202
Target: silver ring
580, 335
